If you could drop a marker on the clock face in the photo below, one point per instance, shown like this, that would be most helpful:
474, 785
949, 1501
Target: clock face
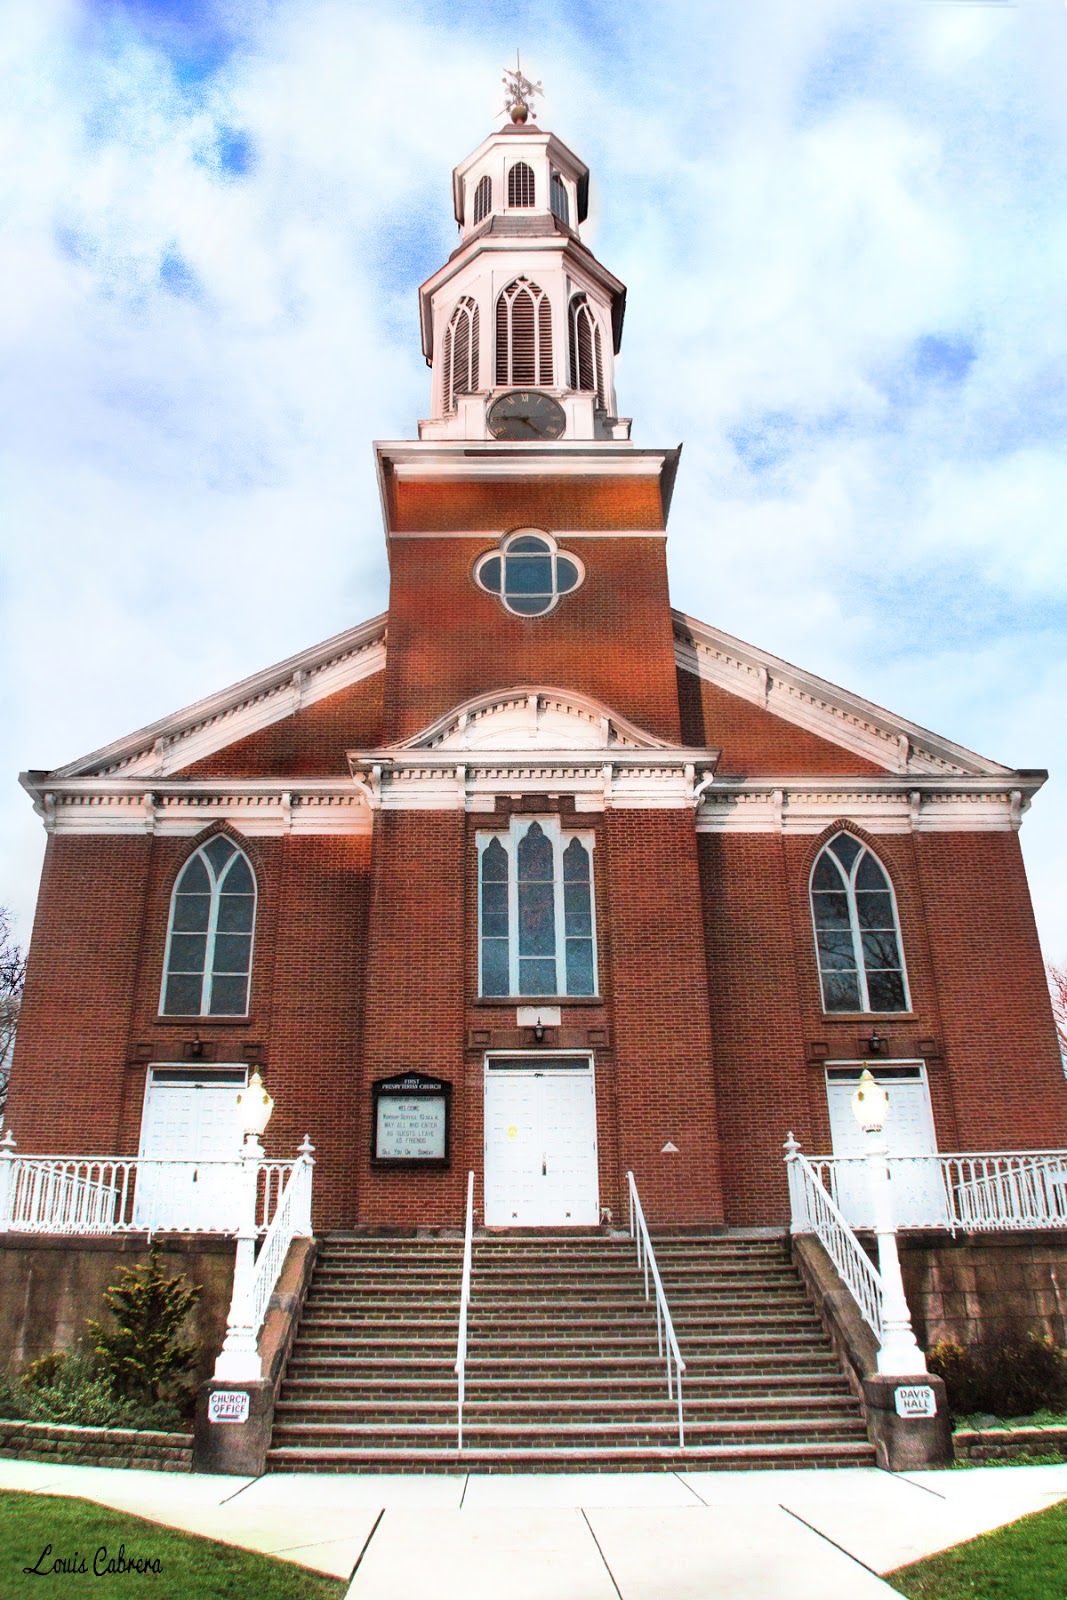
526, 414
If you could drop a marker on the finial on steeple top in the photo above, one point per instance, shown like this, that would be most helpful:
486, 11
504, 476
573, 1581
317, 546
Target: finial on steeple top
518, 92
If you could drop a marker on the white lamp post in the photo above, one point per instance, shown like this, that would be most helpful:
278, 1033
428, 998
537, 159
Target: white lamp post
238, 1360
899, 1354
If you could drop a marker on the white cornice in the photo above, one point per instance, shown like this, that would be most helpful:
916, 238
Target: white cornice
184, 808
417, 780
177, 741
890, 804
822, 708
419, 460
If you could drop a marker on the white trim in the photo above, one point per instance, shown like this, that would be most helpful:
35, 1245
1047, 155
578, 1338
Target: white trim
830, 712
175, 809
881, 805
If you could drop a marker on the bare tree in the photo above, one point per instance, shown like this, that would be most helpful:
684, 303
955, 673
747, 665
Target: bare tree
1057, 983
12, 977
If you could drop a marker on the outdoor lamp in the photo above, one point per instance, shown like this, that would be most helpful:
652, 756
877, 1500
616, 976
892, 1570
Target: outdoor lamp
254, 1106
870, 1104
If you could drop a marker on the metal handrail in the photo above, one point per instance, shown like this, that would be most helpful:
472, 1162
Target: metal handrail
814, 1210
994, 1190
666, 1343
464, 1302
292, 1220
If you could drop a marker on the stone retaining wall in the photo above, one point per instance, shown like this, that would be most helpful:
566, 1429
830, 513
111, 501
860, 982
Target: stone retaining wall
1009, 1444
95, 1447
966, 1287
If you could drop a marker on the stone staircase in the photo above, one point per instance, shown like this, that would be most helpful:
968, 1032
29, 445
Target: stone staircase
562, 1369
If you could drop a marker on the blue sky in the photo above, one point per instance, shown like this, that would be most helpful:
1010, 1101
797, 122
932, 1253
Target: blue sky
844, 230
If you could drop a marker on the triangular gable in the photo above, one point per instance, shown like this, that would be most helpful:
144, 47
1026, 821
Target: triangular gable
199, 731
865, 730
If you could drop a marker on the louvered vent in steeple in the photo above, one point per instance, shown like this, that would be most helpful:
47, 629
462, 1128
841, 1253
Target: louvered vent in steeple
483, 199
520, 185
460, 374
586, 364
523, 334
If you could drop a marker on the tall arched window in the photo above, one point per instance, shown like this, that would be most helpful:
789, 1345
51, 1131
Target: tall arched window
535, 908
557, 199
587, 369
460, 374
483, 198
520, 185
857, 935
209, 941
523, 334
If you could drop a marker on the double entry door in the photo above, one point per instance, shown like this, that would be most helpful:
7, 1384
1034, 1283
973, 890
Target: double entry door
189, 1123
540, 1142
918, 1191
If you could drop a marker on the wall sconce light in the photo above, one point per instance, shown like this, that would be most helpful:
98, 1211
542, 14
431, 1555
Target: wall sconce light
196, 1047
539, 1032
874, 1044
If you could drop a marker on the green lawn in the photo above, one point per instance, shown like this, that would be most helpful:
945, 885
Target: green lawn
190, 1568
1027, 1560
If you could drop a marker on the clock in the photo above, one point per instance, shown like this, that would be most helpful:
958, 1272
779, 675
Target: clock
526, 414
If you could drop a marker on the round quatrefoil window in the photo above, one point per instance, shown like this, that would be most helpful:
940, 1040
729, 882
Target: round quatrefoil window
528, 572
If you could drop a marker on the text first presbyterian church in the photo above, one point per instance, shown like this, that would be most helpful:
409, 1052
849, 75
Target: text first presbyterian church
534, 876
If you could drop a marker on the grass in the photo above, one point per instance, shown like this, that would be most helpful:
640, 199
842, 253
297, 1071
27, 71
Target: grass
1027, 1560
190, 1568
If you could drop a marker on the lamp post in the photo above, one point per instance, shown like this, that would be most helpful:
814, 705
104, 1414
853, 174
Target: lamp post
899, 1354
238, 1360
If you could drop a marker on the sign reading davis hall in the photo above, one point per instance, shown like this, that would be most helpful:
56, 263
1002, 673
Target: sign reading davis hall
411, 1120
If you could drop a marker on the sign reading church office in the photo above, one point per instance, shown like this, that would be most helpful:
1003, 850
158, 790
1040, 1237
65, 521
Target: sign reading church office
411, 1117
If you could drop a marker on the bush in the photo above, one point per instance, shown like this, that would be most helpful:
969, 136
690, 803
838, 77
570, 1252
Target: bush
75, 1390
1007, 1374
143, 1354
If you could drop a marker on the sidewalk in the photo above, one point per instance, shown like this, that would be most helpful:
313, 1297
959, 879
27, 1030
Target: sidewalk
814, 1535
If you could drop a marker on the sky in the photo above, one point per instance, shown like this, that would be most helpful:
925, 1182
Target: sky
843, 225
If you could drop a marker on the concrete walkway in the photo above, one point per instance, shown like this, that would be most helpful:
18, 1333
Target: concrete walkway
620, 1536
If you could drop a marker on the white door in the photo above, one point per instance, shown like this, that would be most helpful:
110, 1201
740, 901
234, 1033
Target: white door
918, 1194
540, 1143
189, 1122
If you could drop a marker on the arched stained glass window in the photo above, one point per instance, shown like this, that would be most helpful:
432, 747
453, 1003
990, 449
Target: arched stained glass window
460, 374
586, 366
537, 932
520, 185
483, 199
857, 936
523, 334
557, 199
209, 941
528, 572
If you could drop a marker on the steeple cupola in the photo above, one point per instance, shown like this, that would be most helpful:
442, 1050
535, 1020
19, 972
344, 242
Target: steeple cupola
522, 324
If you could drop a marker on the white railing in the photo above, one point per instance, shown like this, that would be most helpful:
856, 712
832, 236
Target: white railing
666, 1343
464, 1303
136, 1194
291, 1220
814, 1210
998, 1191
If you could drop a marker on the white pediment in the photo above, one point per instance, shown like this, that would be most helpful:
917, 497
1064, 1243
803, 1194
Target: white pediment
532, 719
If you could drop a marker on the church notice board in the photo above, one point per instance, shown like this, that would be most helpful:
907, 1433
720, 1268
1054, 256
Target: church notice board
411, 1121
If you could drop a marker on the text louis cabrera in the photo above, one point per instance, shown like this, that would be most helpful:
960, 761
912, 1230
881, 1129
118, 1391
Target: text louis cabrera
102, 1564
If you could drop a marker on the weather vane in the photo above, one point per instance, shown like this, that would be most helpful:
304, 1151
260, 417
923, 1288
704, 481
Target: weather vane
518, 92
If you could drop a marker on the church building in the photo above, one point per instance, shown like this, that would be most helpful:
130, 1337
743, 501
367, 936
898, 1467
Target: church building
535, 876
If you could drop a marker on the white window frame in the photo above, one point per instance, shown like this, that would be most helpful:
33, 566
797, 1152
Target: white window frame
854, 929
207, 975
560, 839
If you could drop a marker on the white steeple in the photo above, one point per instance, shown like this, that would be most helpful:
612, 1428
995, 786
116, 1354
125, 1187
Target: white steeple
522, 324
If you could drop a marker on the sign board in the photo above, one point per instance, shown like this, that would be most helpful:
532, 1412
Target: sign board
227, 1405
411, 1116
916, 1400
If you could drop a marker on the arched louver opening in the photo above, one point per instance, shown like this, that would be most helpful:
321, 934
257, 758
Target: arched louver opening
586, 369
523, 335
460, 375
557, 199
856, 933
483, 199
209, 942
520, 185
